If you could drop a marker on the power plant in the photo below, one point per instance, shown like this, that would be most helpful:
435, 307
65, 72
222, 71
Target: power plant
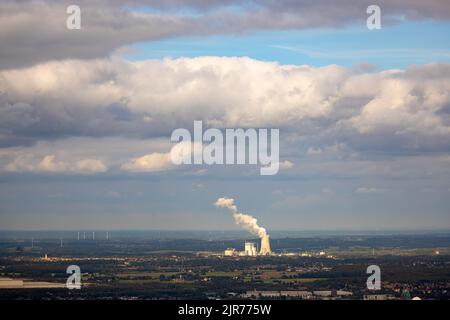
250, 249
249, 223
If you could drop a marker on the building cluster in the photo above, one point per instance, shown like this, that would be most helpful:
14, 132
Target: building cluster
298, 294
250, 249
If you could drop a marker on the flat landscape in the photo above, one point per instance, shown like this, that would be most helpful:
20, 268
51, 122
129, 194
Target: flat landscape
139, 267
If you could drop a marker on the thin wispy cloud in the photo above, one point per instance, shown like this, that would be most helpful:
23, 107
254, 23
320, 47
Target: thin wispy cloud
409, 53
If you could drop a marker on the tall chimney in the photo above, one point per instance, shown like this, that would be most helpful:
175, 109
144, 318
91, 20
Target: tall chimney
265, 246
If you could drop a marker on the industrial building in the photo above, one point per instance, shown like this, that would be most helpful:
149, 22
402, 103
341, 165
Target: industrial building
250, 249
229, 252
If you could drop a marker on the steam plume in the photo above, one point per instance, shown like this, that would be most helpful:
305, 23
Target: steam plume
247, 221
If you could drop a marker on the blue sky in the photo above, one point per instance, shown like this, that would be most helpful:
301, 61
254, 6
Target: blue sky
391, 47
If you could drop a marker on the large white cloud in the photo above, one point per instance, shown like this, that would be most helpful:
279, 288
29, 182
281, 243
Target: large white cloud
329, 113
405, 109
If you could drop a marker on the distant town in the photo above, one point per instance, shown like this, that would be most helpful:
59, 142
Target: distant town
308, 268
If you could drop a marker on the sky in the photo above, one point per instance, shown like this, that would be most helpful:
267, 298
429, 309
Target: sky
86, 115
396, 46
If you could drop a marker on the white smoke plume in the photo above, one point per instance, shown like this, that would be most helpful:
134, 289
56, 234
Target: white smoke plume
247, 221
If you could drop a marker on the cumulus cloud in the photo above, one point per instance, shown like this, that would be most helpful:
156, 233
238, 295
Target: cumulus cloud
30, 24
20, 163
286, 164
313, 151
149, 163
49, 164
371, 190
332, 105
179, 154
340, 118
95, 155
91, 165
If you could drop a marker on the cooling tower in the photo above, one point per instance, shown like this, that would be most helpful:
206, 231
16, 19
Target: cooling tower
265, 246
